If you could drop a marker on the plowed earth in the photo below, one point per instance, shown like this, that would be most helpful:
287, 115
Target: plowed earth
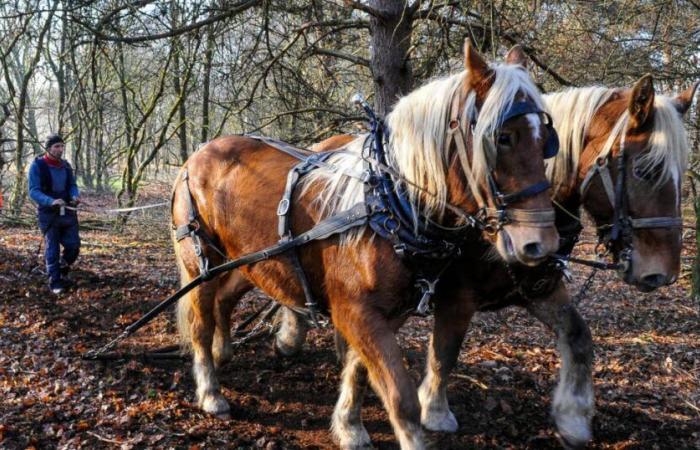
646, 369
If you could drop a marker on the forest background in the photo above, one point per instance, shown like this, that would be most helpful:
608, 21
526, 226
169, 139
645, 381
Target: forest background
136, 87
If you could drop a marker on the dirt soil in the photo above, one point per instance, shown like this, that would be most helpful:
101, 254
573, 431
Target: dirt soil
646, 370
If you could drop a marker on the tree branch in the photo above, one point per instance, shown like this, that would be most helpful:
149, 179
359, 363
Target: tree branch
366, 8
352, 58
234, 10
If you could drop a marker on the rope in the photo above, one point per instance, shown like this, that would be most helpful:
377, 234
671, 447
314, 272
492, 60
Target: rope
115, 210
568, 213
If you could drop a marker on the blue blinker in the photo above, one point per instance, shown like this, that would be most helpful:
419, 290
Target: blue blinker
551, 147
522, 107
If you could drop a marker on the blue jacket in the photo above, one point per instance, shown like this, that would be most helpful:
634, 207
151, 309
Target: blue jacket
47, 183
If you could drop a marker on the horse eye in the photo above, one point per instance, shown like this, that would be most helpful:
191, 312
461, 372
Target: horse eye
504, 140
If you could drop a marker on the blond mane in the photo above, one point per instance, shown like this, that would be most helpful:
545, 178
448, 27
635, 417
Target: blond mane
572, 112
417, 136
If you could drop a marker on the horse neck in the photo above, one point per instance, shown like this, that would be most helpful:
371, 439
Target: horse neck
570, 193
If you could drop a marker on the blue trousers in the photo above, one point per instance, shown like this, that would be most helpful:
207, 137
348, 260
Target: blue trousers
59, 231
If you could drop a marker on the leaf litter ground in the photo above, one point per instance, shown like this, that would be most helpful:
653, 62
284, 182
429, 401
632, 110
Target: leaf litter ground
646, 370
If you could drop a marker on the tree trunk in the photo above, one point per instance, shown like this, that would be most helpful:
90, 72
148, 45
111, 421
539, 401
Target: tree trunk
19, 190
180, 88
390, 31
694, 179
208, 57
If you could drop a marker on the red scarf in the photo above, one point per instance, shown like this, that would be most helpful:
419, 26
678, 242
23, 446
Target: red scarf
53, 162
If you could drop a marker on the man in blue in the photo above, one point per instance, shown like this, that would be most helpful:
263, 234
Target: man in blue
52, 186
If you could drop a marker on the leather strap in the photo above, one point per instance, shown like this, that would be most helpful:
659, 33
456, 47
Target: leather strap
656, 222
529, 191
600, 167
191, 212
295, 152
538, 218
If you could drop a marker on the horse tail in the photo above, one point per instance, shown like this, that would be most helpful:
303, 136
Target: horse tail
184, 307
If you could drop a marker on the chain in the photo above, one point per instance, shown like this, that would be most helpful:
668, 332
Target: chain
255, 332
517, 288
584, 287
95, 354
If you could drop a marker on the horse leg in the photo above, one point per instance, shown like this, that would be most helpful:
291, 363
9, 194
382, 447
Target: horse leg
452, 318
195, 321
346, 424
197, 308
573, 405
231, 289
291, 332
372, 337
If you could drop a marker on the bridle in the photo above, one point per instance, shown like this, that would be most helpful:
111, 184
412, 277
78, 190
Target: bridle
497, 212
618, 234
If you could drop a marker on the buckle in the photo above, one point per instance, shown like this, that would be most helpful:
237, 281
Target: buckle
400, 250
428, 290
365, 176
283, 207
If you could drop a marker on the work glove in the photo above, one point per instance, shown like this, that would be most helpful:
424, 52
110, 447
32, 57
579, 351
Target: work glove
58, 202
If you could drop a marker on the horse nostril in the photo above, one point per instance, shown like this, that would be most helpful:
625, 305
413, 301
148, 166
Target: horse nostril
533, 250
655, 280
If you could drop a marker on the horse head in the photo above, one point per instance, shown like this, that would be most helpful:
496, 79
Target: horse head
510, 135
637, 145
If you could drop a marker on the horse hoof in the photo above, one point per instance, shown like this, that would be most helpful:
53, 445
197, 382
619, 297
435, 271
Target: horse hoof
284, 350
440, 421
574, 432
224, 416
363, 444
216, 405
351, 437
358, 447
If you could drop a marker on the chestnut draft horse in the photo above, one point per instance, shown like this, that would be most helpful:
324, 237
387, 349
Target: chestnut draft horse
622, 158
453, 144
636, 208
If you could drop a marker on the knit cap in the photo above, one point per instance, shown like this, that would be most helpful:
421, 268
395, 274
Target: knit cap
53, 139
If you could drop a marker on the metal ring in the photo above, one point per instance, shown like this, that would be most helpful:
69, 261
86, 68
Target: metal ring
387, 221
491, 227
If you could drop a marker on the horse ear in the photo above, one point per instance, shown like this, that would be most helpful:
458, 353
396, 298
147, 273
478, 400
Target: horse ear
516, 55
683, 100
479, 74
642, 101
